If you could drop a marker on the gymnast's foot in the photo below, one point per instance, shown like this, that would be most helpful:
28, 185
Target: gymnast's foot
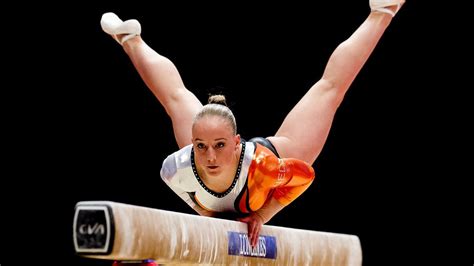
121, 31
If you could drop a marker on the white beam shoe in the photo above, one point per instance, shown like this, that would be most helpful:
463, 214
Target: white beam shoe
114, 26
381, 5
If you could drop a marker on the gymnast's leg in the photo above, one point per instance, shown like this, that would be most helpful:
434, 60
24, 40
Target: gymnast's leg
305, 129
159, 74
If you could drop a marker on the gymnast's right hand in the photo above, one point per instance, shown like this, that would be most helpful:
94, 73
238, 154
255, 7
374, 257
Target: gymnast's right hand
254, 225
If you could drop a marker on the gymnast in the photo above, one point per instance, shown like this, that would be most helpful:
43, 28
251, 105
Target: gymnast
216, 171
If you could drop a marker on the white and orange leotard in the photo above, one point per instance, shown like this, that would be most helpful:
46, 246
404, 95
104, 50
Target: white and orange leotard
260, 174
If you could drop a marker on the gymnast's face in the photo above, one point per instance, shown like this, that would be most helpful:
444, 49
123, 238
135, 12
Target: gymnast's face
216, 148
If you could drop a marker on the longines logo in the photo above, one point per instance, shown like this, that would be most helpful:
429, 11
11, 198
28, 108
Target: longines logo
239, 245
246, 250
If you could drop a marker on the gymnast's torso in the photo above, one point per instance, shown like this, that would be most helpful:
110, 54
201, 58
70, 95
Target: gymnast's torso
260, 174
179, 172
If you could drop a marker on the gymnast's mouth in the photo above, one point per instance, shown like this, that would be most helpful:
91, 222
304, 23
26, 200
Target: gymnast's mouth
212, 167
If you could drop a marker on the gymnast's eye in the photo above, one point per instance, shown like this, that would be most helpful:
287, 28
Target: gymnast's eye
201, 146
220, 145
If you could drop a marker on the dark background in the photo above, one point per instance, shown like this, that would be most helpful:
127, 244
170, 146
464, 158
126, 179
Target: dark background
81, 125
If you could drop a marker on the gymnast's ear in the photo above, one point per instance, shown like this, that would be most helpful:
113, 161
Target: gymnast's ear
237, 140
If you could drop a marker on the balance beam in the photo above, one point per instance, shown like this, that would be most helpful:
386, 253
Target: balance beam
117, 231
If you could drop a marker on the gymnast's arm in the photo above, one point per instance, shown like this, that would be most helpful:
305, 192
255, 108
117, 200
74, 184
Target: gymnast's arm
168, 170
289, 177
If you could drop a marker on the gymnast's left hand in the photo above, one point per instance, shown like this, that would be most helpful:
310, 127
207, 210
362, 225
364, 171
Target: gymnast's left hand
254, 224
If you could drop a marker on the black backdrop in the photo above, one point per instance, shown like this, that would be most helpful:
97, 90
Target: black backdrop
83, 125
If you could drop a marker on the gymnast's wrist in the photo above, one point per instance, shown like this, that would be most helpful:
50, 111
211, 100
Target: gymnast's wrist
263, 218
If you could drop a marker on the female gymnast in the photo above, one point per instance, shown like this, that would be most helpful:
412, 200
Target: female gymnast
216, 171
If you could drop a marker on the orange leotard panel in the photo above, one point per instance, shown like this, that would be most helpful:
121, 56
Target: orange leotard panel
283, 179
